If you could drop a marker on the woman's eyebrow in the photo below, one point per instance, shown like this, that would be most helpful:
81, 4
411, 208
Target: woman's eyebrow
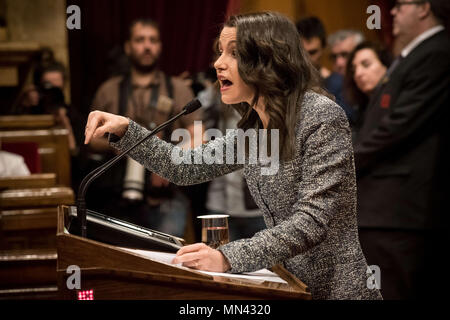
219, 44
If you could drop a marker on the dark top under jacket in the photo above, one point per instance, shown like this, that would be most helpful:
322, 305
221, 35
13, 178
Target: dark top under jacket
309, 205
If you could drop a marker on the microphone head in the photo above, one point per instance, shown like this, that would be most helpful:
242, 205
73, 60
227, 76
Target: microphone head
192, 106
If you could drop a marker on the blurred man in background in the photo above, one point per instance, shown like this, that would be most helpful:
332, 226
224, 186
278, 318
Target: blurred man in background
400, 158
148, 96
313, 36
341, 45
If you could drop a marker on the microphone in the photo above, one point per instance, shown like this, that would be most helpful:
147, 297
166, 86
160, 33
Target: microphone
191, 107
94, 174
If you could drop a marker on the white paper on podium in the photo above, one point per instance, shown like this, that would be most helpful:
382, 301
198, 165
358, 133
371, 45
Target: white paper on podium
259, 276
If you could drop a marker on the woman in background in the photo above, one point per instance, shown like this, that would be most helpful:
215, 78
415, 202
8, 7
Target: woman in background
366, 69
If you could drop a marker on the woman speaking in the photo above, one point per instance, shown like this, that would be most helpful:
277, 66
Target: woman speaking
309, 204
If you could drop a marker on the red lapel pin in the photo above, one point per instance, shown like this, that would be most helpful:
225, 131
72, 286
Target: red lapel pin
385, 101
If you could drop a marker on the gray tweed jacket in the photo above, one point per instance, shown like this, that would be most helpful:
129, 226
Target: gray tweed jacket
309, 205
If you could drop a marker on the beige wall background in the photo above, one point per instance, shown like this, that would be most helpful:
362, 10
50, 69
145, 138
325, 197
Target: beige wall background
335, 14
40, 21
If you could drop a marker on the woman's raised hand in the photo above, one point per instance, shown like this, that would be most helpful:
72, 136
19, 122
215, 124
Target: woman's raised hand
99, 123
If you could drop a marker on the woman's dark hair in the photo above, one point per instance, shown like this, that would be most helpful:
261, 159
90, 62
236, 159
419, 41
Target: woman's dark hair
352, 92
271, 60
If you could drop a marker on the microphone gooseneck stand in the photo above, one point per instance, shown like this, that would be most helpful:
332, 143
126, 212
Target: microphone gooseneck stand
94, 174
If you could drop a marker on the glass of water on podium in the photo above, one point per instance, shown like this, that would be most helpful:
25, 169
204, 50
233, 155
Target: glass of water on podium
215, 230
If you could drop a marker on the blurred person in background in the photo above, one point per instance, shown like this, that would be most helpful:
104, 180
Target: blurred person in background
314, 40
204, 85
366, 68
341, 44
400, 158
11, 164
46, 96
229, 194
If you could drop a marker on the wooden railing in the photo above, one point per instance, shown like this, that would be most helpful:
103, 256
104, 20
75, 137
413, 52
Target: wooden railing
26, 122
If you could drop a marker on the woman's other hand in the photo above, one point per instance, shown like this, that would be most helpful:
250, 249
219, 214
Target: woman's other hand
200, 256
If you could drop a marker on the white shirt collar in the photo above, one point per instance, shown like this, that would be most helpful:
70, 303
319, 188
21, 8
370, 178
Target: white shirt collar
419, 39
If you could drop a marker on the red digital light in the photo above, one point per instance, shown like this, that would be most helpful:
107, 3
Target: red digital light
86, 295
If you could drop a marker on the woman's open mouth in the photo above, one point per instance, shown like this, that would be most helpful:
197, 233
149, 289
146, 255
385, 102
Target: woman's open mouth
225, 84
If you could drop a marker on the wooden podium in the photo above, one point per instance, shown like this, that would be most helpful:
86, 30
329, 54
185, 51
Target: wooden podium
115, 273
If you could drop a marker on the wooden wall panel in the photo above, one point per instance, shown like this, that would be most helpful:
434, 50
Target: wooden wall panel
335, 14
286, 7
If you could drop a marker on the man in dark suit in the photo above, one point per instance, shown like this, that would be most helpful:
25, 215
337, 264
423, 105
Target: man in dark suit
399, 158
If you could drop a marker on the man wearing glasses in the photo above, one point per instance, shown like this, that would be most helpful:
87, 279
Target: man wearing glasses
313, 36
341, 44
399, 157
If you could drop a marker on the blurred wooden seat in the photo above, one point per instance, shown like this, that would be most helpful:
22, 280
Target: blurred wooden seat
36, 197
53, 150
27, 122
28, 274
22, 268
31, 227
28, 216
28, 219
33, 293
28, 210
28, 237
38, 180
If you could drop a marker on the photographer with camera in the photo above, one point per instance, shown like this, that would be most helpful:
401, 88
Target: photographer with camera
46, 96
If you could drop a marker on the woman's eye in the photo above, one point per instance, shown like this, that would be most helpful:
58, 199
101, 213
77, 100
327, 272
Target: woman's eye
233, 53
